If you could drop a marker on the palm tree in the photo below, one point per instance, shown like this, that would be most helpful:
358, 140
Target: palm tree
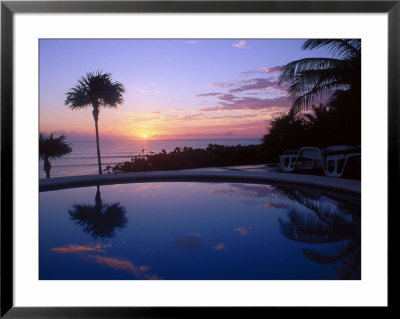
287, 130
99, 220
319, 224
320, 112
50, 147
323, 129
312, 78
96, 89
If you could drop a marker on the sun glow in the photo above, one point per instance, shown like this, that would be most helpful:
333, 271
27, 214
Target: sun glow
144, 135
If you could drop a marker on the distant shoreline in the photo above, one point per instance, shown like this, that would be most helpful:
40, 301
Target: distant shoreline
83, 158
162, 140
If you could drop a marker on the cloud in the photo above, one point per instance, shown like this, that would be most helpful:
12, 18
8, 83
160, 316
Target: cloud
220, 247
251, 103
71, 249
208, 94
222, 84
277, 205
242, 44
274, 69
225, 116
188, 117
140, 271
253, 190
252, 72
188, 242
192, 41
242, 230
258, 84
227, 97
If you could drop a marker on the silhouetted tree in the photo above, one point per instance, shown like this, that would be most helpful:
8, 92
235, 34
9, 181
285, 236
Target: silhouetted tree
188, 157
51, 147
286, 131
99, 220
96, 89
336, 79
312, 78
323, 126
316, 223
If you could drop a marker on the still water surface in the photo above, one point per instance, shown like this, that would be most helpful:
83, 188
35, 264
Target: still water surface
191, 231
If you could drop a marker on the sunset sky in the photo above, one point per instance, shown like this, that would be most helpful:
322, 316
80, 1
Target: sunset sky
175, 89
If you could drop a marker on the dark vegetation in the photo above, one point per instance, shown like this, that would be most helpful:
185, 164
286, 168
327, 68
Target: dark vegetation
188, 157
338, 80
51, 147
327, 124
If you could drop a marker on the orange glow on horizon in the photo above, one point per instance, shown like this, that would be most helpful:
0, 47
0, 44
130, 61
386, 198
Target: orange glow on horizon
167, 126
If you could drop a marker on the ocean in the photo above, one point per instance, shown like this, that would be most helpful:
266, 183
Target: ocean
83, 158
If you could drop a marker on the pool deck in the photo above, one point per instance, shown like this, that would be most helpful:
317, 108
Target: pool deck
261, 174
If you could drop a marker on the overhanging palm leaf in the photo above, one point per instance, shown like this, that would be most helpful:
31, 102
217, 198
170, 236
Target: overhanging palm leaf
342, 47
96, 89
51, 148
312, 78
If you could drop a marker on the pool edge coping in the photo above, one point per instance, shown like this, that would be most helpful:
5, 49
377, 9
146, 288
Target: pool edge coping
267, 177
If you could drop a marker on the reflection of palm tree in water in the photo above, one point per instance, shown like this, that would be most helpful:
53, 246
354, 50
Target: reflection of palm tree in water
99, 220
321, 224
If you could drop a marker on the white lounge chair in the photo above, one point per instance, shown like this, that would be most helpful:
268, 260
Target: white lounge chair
335, 160
287, 160
332, 160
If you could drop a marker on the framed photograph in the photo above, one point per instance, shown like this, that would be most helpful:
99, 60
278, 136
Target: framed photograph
181, 158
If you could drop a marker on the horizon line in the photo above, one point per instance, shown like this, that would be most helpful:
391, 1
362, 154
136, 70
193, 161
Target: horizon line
161, 140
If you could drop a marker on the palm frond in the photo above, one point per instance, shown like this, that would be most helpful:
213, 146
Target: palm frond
318, 92
311, 80
334, 253
52, 147
305, 227
292, 69
100, 221
95, 89
344, 48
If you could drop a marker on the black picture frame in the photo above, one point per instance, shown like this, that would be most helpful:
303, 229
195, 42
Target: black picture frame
9, 8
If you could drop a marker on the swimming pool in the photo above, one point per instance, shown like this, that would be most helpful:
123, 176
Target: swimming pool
198, 231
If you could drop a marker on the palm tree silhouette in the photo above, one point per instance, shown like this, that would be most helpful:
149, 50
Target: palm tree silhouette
50, 147
339, 227
320, 112
96, 89
312, 78
99, 220
286, 131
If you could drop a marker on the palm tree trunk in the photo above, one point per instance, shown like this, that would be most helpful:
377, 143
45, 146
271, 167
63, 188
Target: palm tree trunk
47, 166
96, 119
97, 199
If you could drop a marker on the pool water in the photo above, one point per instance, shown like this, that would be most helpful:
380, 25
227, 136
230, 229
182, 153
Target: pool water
197, 231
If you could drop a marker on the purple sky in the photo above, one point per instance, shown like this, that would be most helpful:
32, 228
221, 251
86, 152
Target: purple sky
175, 89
